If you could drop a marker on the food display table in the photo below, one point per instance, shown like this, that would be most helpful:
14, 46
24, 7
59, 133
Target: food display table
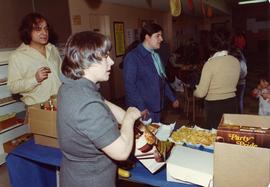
36, 165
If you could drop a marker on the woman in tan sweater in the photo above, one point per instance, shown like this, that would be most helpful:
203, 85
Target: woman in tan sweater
218, 81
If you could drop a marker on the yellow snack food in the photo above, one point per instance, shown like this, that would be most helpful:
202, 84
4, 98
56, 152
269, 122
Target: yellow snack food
123, 173
193, 136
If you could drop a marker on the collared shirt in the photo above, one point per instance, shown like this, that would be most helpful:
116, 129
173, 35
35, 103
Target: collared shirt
23, 65
157, 62
144, 88
85, 125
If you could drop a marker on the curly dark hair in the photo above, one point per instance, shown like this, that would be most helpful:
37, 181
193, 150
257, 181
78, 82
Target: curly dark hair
27, 25
82, 50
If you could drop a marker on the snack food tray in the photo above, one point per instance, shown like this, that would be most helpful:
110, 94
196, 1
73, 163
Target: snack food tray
191, 145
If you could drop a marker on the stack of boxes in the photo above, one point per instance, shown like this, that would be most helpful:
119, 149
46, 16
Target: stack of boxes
242, 154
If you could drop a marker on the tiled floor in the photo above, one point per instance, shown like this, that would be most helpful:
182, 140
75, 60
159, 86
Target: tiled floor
177, 115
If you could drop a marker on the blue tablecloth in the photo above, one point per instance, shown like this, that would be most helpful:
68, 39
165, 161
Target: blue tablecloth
34, 165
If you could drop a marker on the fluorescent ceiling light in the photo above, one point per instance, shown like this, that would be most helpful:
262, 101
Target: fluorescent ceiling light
251, 1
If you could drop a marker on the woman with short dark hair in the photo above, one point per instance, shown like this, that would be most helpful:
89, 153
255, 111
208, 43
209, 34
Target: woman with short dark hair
87, 124
81, 55
219, 78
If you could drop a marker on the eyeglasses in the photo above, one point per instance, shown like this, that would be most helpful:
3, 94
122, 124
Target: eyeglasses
38, 28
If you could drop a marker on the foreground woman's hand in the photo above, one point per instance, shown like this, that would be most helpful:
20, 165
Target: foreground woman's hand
133, 113
122, 146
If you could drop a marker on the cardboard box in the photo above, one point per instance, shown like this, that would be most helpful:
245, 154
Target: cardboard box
187, 165
12, 144
244, 135
46, 140
242, 166
43, 125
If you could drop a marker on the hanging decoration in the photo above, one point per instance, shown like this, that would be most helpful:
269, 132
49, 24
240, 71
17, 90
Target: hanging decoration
209, 11
149, 3
190, 5
203, 8
175, 6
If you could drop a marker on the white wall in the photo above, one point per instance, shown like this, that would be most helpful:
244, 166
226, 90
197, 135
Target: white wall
131, 17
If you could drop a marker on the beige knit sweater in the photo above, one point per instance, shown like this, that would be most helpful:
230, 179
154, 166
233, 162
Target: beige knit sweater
219, 78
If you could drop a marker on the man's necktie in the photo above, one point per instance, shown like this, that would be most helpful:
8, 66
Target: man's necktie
158, 64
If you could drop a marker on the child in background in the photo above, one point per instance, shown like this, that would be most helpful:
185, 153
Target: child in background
263, 93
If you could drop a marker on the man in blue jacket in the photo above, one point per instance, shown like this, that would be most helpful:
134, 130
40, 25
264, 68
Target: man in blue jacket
144, 75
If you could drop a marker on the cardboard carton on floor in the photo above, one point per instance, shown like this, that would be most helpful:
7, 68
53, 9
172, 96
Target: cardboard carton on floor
43, 125
187, 165
12, 144
242, 166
